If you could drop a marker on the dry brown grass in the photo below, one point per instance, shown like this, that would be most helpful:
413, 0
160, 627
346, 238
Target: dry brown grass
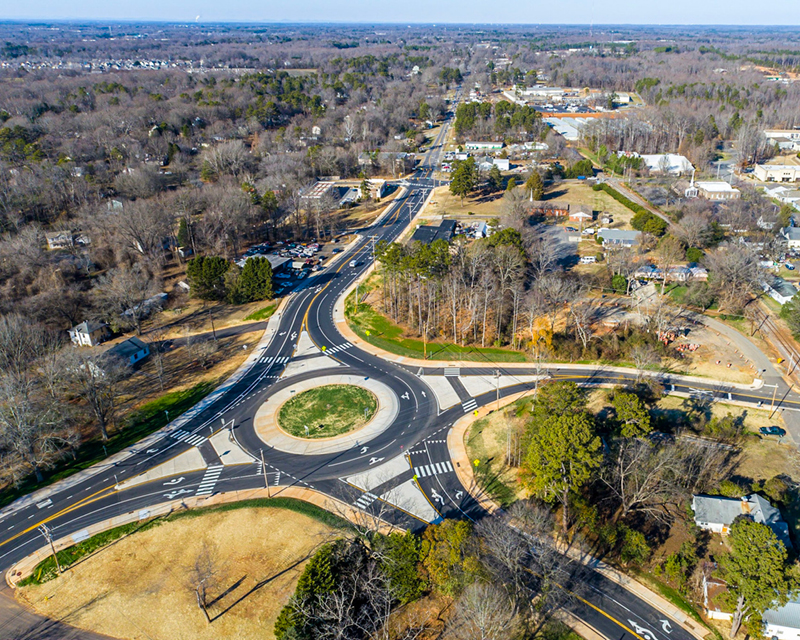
143, 586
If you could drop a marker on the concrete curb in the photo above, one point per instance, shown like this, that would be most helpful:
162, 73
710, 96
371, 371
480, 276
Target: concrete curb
45, 492
25, 567
266, 423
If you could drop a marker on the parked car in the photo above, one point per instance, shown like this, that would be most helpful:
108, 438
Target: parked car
282, 276
772, 431
789, 266
570, 229
337, 249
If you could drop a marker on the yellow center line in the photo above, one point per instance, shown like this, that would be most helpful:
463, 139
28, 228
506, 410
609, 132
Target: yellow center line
66, 510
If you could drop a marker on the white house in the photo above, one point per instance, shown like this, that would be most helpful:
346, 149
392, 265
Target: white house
717, 513
778, 289
783, 622
792, 235
89, 334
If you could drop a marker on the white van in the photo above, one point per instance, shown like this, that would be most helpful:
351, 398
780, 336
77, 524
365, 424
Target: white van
354, 263
588, 259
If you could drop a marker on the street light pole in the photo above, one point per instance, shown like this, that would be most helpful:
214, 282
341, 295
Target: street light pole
264, 469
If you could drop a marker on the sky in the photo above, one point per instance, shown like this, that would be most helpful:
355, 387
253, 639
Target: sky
734, 12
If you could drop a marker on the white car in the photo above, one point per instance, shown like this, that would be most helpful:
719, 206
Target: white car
588, 260
354, 263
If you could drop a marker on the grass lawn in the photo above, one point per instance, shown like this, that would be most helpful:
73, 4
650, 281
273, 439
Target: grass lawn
380, 331
262, 314
150, 417
486, 441
327, 411
140, 583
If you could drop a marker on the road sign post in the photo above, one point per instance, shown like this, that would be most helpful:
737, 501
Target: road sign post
264, 469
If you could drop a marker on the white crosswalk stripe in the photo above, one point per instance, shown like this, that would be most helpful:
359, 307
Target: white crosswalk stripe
365, 500
282, 360
452, 372
184, 436
210, 478
338, 348
434, 469
266, 360
469, 405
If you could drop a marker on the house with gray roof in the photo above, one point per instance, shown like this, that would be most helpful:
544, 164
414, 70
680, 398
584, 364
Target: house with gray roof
619, 237
783, 623
717, 513
129, 352
89, 334
792, 235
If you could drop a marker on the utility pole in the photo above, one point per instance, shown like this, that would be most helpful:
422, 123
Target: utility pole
497, 376
48, 535
264, 469
213, 330
772, 405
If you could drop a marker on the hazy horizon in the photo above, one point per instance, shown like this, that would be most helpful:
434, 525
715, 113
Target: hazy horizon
700, 13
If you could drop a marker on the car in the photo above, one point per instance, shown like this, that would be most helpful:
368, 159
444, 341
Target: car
772, 431
337, 250
570, 229
283, 276
354, 263
789, 266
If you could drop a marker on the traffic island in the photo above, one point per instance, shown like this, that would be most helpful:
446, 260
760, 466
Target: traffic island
328, 411
345, 425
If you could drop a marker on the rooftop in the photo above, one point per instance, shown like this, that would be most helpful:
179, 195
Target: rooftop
786, 616
126, 349
721, 510
716, 186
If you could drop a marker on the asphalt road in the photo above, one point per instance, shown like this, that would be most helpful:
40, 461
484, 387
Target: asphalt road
419, 430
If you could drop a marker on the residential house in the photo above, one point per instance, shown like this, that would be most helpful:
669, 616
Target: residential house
549, 208
65, 239
792, 235
783, 623
717, 513
619, 237
428, 234
779, 289
717, 190
777, 172
129, 352
89, 334
580, 214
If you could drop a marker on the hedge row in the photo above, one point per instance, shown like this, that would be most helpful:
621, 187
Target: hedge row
643, 220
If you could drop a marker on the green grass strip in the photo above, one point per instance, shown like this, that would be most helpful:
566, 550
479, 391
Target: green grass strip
46, 569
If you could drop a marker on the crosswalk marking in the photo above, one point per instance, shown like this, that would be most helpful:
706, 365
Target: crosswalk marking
184, 436
365, 500
209, 480
338, 348
434, 469
452, 372
469, 405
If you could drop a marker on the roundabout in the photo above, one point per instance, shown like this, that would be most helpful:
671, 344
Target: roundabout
280, 421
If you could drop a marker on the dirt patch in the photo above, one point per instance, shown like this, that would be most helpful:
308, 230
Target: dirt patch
143, 586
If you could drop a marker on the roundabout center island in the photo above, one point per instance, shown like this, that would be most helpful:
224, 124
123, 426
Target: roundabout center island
327, 411
346, 411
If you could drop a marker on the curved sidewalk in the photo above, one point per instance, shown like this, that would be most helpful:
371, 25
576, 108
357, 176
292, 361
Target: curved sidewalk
266, 418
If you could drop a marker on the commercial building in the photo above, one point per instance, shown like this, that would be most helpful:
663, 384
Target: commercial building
671, 163
475, 145
714, 190
777, 172
786, 139
549, 208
